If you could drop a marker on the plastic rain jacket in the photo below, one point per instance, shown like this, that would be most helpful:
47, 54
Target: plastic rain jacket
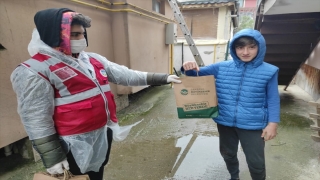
36, 104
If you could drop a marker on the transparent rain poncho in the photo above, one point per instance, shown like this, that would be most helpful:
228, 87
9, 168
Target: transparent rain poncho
36, 105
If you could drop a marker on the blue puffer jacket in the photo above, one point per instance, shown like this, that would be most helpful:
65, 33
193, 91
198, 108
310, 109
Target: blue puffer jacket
241, 87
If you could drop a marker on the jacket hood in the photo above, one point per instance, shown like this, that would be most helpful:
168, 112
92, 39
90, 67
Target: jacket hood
48, 23
258, 60
54, 26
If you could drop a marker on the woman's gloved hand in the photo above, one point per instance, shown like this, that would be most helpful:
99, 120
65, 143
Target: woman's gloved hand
173, 78
58, 168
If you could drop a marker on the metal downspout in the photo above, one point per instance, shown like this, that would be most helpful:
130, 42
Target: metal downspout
214, 53
227, 52
182, 55
171, 60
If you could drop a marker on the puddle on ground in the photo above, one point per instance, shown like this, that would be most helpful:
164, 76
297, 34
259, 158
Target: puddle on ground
182, 143
199, 158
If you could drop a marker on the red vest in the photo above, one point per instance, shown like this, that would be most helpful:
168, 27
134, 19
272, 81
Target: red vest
81, 104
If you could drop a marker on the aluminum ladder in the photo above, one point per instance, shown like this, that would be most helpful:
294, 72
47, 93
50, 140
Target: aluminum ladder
179, 18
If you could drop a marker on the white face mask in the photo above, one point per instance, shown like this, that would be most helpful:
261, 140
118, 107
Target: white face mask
78, 45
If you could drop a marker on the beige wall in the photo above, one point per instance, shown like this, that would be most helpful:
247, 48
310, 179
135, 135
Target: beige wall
224, 23
204, 23
144, 47
122, 37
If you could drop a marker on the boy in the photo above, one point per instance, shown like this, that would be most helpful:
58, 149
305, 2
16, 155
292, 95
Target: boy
248, 100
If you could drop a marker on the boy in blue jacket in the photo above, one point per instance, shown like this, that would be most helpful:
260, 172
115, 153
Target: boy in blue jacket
248, 100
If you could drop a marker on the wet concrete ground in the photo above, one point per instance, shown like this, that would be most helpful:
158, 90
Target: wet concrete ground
163, 147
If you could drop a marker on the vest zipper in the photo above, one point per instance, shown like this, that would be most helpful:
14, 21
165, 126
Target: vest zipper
101, 92
104, 97
237, 101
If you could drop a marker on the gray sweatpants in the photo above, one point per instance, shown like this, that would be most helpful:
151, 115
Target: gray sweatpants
252, 145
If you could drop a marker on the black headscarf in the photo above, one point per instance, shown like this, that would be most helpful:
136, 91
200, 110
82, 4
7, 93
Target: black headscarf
48, 23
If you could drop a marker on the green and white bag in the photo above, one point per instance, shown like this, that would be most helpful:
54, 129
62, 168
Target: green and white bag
196, 97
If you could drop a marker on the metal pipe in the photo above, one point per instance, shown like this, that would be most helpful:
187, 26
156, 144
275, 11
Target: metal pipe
227, 53
214, 53
171, 60
182, 55
137, 7
118, 10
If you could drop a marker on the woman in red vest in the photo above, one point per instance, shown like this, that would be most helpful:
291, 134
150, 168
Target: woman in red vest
64, 96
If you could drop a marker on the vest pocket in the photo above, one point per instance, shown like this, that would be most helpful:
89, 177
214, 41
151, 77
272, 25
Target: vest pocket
265, 115
74, 107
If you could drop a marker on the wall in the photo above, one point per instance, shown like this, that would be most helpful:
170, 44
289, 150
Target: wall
211, 33
224, 23
143, 47
308, 77
202, 23
122, 37
210, 52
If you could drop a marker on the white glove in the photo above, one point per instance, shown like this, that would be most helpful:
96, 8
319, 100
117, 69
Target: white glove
173, 78
57, 168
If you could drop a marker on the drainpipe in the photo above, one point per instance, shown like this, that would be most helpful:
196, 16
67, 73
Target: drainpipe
182, 55
227, 52
171, 58
214, 53
119, 10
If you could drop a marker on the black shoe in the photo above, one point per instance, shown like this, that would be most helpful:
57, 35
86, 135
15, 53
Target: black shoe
235, 179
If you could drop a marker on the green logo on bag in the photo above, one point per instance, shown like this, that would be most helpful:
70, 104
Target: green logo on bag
184, 91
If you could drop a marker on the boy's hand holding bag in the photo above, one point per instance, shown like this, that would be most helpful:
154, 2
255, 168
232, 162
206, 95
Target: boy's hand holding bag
196, 97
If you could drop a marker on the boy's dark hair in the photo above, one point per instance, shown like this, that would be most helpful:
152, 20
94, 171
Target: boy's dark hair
243, 41
80, 19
